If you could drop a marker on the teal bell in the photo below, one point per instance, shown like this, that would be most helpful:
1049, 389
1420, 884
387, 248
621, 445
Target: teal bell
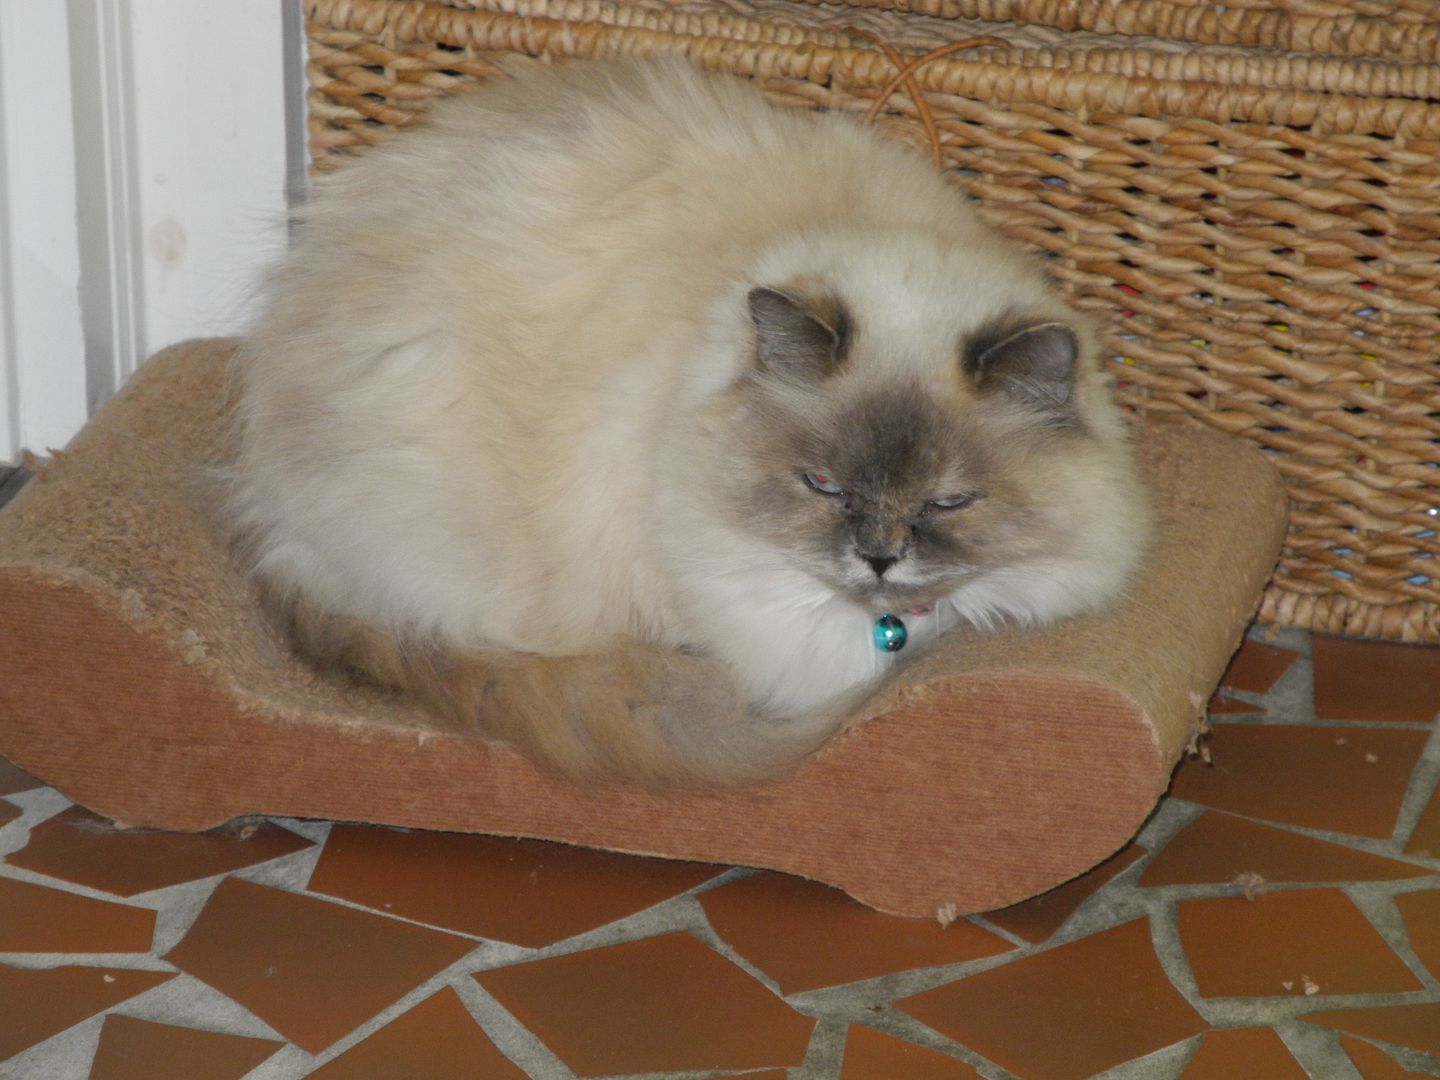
890, 634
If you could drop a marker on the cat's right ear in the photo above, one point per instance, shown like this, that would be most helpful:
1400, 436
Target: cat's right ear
794, 335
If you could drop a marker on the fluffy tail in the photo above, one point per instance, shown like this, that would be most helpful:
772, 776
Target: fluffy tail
634, 711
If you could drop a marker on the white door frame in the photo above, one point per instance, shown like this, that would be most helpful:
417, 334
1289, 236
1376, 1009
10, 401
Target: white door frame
148, 152
42, 351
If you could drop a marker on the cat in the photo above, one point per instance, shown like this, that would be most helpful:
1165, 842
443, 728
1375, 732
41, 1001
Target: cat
610, 410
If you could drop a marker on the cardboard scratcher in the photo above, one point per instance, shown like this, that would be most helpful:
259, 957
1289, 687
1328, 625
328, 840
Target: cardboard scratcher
140, 678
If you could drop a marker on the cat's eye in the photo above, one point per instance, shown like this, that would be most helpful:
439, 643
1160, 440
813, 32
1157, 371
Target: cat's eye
954, 502
823, 484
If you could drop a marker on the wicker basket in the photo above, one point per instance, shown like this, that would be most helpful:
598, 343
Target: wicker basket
1260, 228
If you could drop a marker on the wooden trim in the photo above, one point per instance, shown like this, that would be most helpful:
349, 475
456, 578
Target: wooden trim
42, 355
144, 154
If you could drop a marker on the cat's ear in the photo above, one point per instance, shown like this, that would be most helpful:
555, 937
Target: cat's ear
1034, 364
796, 335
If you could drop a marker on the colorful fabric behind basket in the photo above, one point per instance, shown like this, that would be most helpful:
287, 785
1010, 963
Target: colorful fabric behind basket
1249, 196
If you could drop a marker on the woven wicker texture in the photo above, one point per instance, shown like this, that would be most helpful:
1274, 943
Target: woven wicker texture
1260, 230
1397, 29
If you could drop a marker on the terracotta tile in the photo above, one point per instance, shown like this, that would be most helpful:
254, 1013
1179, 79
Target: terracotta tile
1375, 680
663, 1004
1287, 943
805, 935
1425, 840
312, 970
38, 1004
1421, 912
8, 812
1293, 774
1372, 1063
14, 779
436, 1040
36, 918
1414, 1026
527, 892
1221, 705
1257, 667
82, 847
1038, 918
871, 1055
1241, 1052
133, 1049
1219, 848
1067, 1012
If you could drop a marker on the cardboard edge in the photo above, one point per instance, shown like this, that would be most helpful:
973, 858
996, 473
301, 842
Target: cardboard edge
974, 791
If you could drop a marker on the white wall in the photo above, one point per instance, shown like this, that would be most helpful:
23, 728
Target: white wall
145, 147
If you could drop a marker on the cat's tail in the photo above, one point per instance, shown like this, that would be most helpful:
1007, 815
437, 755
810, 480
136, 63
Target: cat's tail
633, 711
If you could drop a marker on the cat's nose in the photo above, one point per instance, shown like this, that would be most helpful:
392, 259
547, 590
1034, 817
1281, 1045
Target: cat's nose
879, 563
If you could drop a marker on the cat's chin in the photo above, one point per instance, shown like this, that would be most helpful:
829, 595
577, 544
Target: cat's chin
904, 590
882, 599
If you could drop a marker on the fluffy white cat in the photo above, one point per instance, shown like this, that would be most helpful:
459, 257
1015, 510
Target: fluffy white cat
612, 359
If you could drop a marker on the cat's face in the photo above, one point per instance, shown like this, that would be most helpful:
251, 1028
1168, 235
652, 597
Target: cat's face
895, 492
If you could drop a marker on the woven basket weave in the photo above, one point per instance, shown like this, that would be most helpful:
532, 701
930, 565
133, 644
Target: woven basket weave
1259, 228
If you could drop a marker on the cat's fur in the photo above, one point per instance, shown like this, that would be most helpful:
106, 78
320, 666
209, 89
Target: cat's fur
549, 375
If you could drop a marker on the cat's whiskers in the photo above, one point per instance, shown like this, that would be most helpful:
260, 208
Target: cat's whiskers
735, 566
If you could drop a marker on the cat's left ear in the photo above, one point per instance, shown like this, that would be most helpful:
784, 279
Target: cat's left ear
1035, 364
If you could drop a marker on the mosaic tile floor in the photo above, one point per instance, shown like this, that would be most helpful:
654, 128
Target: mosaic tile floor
1278, 917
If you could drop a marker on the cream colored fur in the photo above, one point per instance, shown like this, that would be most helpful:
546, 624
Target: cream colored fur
484, 409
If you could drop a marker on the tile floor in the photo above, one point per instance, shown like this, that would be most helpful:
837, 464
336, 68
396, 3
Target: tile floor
1278, 917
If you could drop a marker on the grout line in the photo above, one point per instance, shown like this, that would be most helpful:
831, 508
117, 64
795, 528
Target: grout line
825, 1056
187, 1001
1015, 939
392, 1012
1170, 951
1388, 848
1418, 1060
287, 1063
1318, 1051
66, 1055
892, 1021
1282, 721
48, 961
678, 914
1166, 1063
1271, 1011
1424, 785
711, 937
1377, 904
517, 1042
1171, 817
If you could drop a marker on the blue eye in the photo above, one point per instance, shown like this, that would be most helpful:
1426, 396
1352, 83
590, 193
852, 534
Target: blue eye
954, 502
823, 484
